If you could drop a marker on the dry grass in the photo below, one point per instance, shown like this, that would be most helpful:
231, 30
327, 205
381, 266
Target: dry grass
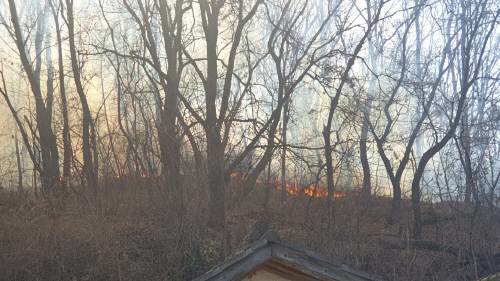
132, 233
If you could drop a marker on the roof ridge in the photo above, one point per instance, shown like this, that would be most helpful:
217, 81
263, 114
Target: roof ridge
270, 247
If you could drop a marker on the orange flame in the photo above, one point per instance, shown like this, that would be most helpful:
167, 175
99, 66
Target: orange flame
314, 190
292, 189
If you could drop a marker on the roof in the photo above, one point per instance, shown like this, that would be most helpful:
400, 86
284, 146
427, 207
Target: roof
494, 277
271, 254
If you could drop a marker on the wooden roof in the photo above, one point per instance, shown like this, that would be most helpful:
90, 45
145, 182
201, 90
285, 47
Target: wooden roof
270, 254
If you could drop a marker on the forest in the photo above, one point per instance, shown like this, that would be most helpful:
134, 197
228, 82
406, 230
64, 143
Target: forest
151, 139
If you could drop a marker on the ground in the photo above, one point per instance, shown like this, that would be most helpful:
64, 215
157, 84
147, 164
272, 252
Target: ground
132, 233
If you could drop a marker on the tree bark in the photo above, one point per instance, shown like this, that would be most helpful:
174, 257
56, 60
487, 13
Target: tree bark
363, 155
215, 151
19, 166
67, 149
50, 167
284, 145
88, 133
170, 146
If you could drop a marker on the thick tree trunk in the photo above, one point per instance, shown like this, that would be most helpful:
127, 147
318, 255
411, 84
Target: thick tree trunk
215, 150
415, 201
171, 147
396, 203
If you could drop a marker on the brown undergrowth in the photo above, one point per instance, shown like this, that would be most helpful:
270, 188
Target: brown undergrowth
132, 233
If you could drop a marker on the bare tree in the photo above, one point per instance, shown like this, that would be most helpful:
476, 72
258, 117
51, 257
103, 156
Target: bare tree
90, 157
49, 169
382, 139
473, 32
344, 79
67, 149
213, 123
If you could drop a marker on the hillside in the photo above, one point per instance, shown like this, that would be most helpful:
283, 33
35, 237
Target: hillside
132, 234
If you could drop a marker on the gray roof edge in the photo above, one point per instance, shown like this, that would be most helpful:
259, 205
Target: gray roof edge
272, 243
330, 269
234, 259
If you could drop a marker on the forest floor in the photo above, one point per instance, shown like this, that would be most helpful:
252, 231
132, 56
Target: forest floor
132, 234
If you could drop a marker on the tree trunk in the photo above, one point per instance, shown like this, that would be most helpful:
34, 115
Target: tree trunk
88, 133
215, 150
67, 149
171, 149
396, 204
329, 169
283, 151
50, 167
363, 155
465, 139
19, 166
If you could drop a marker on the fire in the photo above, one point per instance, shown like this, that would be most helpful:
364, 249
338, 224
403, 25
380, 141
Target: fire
314, 190
292, 189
